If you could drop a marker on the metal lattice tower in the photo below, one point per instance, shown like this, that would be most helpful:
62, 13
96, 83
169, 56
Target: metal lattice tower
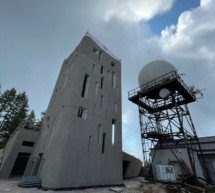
165, 119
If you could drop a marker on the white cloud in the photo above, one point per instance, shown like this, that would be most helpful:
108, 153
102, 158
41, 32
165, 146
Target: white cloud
190, 44
193, 35
125, 117
134, 11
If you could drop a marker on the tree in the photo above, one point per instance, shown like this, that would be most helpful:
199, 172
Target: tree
32, 123
13, 110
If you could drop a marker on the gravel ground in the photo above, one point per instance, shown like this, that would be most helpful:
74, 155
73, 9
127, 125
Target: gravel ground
10, 186
131, 186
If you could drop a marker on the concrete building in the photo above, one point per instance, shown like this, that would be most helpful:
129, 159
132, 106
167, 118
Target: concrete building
208, 150
81, 141
15, 156
131, 166
163, 156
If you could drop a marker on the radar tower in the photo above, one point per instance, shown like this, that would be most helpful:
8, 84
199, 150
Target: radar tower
165, 120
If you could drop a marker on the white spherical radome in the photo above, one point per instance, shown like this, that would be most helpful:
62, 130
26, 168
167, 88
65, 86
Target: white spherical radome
153, 70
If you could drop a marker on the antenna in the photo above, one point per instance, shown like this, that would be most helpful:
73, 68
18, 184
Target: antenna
179, 66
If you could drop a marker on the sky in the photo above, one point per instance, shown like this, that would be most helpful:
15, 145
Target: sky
36, 36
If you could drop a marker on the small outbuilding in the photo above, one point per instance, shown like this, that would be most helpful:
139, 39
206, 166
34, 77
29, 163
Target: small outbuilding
208, 151
131, 166
14, 157
163, 154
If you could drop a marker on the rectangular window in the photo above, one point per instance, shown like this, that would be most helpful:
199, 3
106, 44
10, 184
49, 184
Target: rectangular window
108, 75
85, 86
28, 143
89, 143
100, 55
96, 51
113, 64
103, 143
82, 113
113, 131
96, 89
102, 69
102, 80
114, 80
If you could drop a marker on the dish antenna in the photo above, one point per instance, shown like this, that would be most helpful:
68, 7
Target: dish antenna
164, 93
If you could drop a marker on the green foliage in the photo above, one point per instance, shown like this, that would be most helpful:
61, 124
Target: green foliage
210, 190
32, 123
13, 110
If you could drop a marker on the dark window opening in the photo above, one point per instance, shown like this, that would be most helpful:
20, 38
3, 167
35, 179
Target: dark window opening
102, 69
96, 51
113, 64
28, 143
84, 87
125, 167
101, 101
27, 126
100, 54
103, 143
20, 164
82, 113
101, 85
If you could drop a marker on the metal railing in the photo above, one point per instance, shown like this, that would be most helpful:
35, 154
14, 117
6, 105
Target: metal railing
102, 46
164, 78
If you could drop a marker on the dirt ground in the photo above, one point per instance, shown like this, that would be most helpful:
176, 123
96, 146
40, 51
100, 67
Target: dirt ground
131, 186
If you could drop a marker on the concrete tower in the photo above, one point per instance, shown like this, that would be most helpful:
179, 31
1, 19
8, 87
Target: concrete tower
81, 142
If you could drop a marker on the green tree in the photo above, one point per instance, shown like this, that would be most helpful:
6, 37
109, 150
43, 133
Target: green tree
13, 109
32, 123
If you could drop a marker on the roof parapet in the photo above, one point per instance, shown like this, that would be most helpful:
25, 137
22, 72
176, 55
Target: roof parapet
102, 46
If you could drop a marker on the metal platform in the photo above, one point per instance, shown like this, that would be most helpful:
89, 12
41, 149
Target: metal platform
147, 95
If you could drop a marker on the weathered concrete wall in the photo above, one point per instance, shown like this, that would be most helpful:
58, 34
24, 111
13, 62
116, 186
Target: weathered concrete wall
14, 146
210, 163
131, 166
78, 151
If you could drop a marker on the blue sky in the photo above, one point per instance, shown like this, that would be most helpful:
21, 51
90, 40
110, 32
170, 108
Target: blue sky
36, 36
170, 17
